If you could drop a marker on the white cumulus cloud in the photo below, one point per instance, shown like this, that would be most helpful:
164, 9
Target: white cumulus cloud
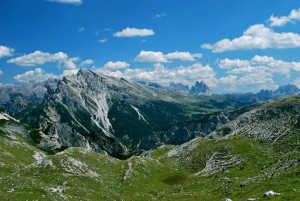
134, 32
183, 74
283, 20
116, 65
246, 79
69, 72
40, 58
229, 63
150, 56
159, 57
37, 75
1, 72
269, 64
86, 62
75, 2
276, 66
255, 74
297, 82
257, 37
5, 51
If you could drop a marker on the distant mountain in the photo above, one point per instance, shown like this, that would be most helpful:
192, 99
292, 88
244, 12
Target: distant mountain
100, 113
284, 90
287, 90
154, 84
200, 88
32, 90
179, 87
118, 116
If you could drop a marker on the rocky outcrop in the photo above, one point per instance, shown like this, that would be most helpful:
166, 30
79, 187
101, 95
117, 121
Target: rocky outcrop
273, 123
218, 162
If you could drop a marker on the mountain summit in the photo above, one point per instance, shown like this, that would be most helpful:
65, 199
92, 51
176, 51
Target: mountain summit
287, 90
200, 88
119, 116
179, 87
284, 90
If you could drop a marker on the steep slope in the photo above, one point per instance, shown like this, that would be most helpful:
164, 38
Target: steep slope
276, 123
98, 112
16, 145
109, 115
117, 116
238, 167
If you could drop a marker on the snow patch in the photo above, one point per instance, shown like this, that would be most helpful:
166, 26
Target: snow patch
141, 117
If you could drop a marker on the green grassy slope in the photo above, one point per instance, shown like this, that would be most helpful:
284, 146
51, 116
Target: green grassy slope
237, 167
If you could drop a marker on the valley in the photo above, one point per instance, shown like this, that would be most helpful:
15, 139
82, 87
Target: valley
75, 144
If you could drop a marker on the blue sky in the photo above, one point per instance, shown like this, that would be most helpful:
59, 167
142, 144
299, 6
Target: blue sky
232, 45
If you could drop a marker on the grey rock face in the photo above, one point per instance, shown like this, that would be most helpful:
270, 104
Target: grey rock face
200, 88
187, 131
32, 91
287, 90
273, 123
101, 113
76, 111
179, 87
284, 90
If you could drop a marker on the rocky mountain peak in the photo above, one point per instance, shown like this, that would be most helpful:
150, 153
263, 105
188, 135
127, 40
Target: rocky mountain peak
200, 88
289, 89
284, 90
179, 87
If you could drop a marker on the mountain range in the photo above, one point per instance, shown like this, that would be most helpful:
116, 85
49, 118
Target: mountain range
200, 88
121, 117
138, 141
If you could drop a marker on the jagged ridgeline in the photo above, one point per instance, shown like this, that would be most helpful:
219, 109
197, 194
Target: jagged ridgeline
118, 116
